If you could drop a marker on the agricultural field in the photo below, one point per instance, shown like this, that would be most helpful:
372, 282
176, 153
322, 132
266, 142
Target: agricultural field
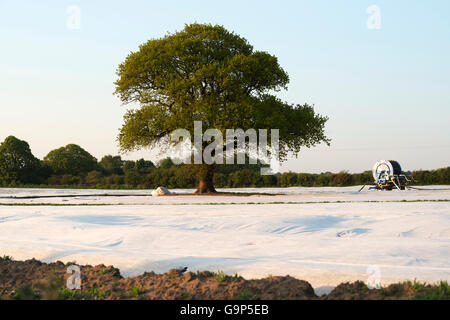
325, 236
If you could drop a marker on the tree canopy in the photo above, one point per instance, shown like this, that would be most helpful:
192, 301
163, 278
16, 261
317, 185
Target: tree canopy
111, 164
71, 159
17, 163
207, 73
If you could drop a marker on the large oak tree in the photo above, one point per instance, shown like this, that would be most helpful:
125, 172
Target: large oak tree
207, 73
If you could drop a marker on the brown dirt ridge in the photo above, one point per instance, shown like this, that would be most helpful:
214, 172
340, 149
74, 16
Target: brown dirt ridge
34, 280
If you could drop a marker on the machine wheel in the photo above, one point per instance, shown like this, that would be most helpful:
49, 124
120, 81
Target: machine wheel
396, 166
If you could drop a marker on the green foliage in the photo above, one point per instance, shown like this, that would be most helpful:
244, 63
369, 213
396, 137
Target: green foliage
49, 288
111, 165
203, 72
71, 160
136, 173
132, 178
418, 290
288, 179
45, 290
17, 163
113, 181
207, 73
220, 276
143, 174
105, 271
96, 293
144, 166
94, 178
427, 177
423, 291
243, 177
129, 165
166, 163
25, 292
69, 179
6, 258
67, 294
135, 291
246, 295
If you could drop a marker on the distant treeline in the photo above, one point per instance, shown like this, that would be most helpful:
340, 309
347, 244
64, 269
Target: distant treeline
72, 166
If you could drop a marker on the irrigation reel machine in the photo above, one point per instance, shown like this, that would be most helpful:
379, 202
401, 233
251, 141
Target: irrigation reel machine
388, 175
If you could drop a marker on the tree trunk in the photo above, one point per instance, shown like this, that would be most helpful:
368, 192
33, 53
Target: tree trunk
205, 184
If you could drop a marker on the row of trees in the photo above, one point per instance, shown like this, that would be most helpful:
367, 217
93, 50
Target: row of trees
72, 166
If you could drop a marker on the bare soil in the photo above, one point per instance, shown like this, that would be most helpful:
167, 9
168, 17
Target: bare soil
32, 279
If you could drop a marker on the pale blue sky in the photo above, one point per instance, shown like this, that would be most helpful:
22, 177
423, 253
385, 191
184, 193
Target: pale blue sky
386, 91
